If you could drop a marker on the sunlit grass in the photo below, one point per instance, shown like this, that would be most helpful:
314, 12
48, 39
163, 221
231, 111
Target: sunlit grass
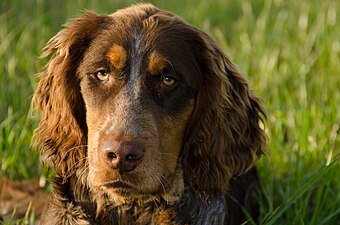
290, 51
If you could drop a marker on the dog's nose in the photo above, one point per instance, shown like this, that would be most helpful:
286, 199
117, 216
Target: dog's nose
123, 156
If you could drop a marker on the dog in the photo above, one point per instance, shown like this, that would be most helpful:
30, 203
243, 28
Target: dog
145, 120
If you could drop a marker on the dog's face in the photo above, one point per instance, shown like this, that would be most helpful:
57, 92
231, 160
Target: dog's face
139, 82
140, 103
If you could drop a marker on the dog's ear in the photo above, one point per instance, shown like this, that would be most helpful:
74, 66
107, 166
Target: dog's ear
225, 136
61, 134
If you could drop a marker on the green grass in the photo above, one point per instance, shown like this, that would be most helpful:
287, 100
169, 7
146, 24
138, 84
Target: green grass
290, 51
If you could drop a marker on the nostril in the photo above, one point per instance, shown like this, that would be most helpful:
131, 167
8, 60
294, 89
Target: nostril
134, 157
130, 157
111, 155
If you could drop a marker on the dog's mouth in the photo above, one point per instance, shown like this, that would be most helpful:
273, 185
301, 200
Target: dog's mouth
125, 188
119, 192
121, 187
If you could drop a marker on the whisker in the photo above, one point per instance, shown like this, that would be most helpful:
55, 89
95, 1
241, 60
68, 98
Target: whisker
76, 164
164, 153
167, 181
75, 147
161, 183
65, 154
80, 177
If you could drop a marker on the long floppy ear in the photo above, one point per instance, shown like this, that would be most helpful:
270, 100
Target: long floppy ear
225, 136
61, 134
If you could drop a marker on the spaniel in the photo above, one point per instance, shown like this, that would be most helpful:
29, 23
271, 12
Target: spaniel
145, 120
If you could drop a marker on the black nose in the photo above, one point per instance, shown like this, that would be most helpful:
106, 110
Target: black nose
123, 156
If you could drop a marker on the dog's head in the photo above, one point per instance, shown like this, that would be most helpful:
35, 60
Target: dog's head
148, 103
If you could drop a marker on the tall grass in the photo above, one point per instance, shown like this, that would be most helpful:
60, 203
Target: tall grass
290, 51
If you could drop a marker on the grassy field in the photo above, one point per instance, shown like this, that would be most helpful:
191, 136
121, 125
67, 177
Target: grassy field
290, 51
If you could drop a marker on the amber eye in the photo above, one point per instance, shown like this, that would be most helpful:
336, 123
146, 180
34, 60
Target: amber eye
168, 81
103, 75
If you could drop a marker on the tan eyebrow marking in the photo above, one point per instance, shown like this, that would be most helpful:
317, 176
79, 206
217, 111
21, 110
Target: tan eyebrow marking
117, 56
156, 63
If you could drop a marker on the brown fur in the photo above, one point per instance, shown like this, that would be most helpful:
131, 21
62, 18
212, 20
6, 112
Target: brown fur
156, 63
193, 136
117, 56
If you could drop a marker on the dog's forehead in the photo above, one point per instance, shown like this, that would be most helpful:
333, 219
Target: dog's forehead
144, 40
151, 38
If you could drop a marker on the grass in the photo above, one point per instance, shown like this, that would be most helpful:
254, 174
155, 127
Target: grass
290, 51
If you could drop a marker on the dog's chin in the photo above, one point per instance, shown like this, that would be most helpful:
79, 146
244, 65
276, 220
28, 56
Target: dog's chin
118, 193
130, 196
122, 189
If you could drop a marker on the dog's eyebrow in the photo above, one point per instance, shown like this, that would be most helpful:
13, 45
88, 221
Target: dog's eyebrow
156, 63
117, 56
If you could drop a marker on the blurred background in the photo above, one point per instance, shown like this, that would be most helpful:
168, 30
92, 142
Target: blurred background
289, 50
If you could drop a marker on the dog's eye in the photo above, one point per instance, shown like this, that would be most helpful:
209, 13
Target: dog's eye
103, 75
168, 81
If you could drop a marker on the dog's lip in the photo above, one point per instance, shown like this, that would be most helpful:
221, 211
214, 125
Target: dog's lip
119, 185
123, 186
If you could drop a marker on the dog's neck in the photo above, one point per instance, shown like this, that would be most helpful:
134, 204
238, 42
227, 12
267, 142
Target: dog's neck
191, 208
179, 205
147, 210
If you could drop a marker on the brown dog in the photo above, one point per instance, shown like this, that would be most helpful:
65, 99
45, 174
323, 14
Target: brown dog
146, 121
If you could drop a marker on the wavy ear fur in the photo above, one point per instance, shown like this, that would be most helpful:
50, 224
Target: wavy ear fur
225, 136
61, 134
